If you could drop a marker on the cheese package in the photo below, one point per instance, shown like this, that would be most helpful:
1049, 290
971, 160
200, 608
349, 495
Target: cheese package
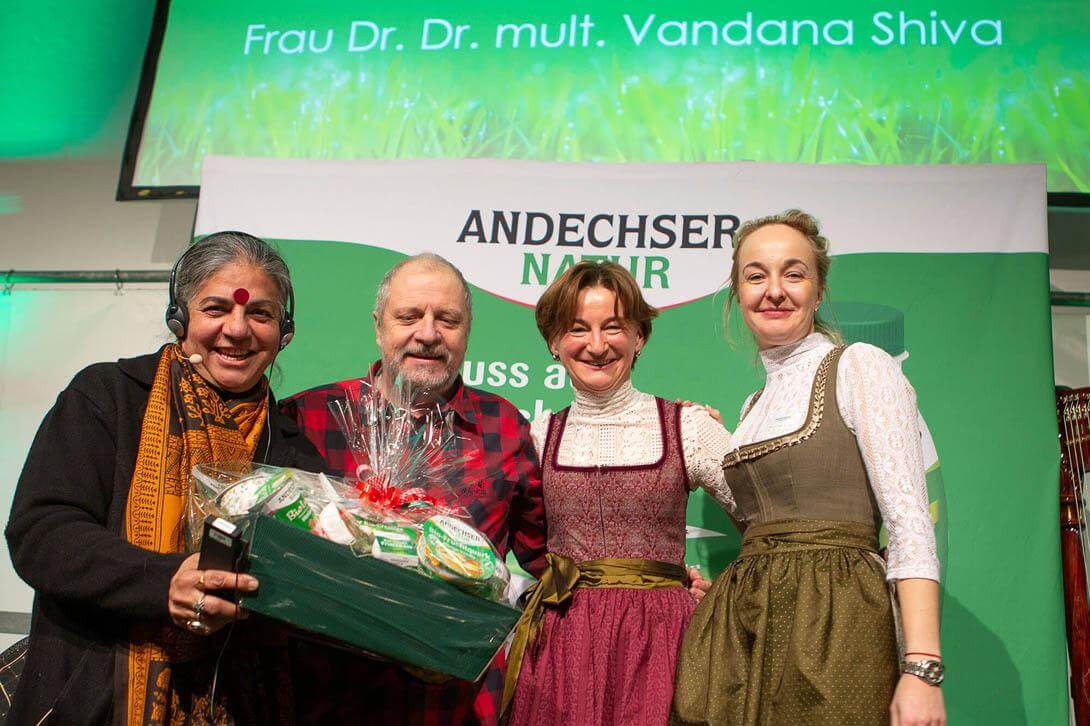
251, 491
453, 551
394, 543
290, 506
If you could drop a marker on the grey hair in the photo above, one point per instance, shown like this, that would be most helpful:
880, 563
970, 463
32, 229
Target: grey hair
427, 260
209, 255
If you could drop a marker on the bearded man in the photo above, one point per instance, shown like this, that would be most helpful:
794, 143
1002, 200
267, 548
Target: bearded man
422, 315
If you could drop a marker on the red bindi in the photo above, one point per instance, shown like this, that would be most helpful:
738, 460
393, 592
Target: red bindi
242, 296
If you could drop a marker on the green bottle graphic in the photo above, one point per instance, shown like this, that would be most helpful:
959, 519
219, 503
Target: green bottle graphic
884, 327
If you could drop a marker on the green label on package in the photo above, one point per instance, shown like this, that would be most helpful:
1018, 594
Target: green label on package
289, 506
458, 548
391, 539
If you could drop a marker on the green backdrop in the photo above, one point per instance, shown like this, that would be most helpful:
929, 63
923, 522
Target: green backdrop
977, 328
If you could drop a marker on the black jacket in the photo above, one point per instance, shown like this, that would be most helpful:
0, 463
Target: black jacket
64, 535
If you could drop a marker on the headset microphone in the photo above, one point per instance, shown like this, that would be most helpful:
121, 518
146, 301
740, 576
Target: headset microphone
177, 316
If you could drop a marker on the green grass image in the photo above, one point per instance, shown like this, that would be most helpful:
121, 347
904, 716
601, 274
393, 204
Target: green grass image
922, 106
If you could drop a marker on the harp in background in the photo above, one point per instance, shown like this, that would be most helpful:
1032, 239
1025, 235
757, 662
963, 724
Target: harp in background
1073, 410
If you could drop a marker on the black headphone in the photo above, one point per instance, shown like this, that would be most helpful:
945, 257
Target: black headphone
177, 316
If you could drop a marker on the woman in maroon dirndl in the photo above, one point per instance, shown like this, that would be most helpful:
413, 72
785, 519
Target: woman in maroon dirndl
599, 639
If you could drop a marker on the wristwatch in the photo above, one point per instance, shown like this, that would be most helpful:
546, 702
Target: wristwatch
931, 671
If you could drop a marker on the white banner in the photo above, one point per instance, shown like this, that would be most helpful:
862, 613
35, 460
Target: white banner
511, 225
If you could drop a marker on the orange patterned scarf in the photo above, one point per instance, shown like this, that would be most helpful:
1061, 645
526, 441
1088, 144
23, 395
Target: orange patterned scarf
186, 423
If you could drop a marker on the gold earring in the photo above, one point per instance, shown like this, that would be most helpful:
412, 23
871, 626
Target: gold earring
638, 352
556, 356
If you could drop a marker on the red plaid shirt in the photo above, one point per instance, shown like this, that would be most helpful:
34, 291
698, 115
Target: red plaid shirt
505, 502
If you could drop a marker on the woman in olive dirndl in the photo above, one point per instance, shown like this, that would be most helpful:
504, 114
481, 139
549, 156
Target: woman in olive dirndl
801, 629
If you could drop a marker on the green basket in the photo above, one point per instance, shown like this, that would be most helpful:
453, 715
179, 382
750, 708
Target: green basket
326, 589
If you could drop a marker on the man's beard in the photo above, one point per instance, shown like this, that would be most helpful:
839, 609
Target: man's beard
421, 381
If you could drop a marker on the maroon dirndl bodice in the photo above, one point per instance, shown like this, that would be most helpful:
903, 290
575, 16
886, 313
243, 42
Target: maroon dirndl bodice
609, 656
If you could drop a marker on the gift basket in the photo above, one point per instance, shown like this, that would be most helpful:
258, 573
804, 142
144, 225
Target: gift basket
386, 562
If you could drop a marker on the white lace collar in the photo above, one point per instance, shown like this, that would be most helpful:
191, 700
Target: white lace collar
785, 357
591, 406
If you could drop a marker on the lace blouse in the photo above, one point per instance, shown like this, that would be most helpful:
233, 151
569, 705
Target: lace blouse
622, 429
878, 404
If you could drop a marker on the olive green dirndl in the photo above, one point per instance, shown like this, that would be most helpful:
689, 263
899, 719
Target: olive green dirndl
800, 629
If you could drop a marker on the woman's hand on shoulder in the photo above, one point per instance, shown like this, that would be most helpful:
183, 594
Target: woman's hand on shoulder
713, 412
191, 605
916, 703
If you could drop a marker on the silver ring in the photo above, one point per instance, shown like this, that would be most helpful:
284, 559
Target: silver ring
198, 607
195, 625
